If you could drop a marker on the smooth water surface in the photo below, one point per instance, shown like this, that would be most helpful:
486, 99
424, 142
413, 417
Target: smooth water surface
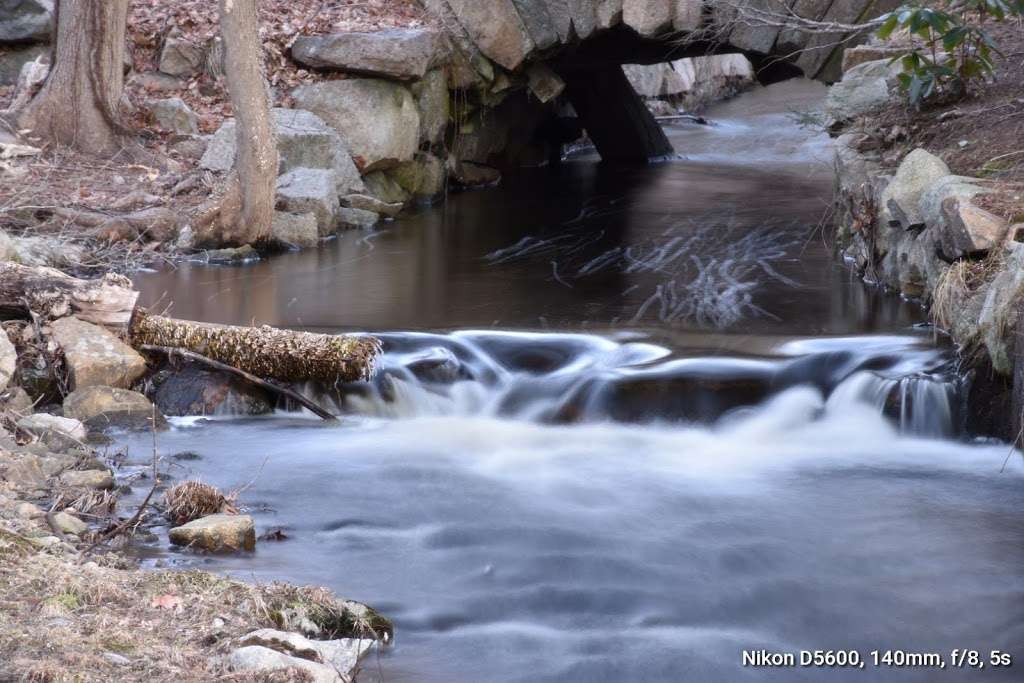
629, 423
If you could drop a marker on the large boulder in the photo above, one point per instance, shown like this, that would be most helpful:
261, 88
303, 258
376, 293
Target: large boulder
378, 119
303, 141
217, 533
25, 21
646, 79
310, 190
423, 177
94, 356
688, 15
561, 18
100, 407
496, 29
648, 17
404, 54
194, 390
916, 173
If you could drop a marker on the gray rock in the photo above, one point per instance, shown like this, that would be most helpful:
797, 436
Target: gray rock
584, 17
174, 116
310, 190
400, 53
646, 79
194, 390
295, 229
180, 56
423, 177
99, 407
231, 256
544, 83
303, 141
29, 511
12, 61
257, 658
968, 230
864, 88
42, 423
69, 524
378, 119
8, 360
385, 188
538, 23
608, 13
341, 655
934, 202
472, 175
433, 103
217, 533
496, 29
357, 218
687, 15
998, 318
916, 173
26, 21
97, 480
190, 147
648, 17
368, 203
94, 356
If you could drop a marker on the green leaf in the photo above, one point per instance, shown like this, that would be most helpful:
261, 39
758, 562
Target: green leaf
886, 29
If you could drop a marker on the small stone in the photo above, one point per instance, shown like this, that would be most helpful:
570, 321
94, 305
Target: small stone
69, 524
473, 175
116, 659
357, 218
368, 203
963, 143
44, 541
28, 511
98, 480
217, 623
217, 533
232, 256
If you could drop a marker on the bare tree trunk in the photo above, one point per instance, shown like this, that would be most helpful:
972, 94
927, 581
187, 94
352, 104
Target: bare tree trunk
78, 104
248, 207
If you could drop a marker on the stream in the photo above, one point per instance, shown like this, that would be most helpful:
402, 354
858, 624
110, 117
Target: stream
629, 423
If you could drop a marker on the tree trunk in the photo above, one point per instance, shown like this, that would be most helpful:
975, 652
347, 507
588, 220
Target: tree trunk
79, 102
265, 351
285, 355
248, 206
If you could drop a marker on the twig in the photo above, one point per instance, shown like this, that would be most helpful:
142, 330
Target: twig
134, 520
252, 379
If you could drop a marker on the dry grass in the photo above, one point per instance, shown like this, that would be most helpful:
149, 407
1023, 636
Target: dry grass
64, 621
191, 500
963, 279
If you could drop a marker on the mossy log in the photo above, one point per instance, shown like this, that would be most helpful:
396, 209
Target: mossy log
268, 352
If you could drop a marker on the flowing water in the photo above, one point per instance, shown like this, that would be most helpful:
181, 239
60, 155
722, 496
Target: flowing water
629, 423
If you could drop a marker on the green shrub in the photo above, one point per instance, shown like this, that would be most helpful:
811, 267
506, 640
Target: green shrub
956, 49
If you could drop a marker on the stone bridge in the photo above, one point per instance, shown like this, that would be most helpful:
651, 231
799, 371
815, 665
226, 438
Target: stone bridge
580, 45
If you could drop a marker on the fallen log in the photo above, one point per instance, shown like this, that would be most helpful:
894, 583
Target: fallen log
268, 352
